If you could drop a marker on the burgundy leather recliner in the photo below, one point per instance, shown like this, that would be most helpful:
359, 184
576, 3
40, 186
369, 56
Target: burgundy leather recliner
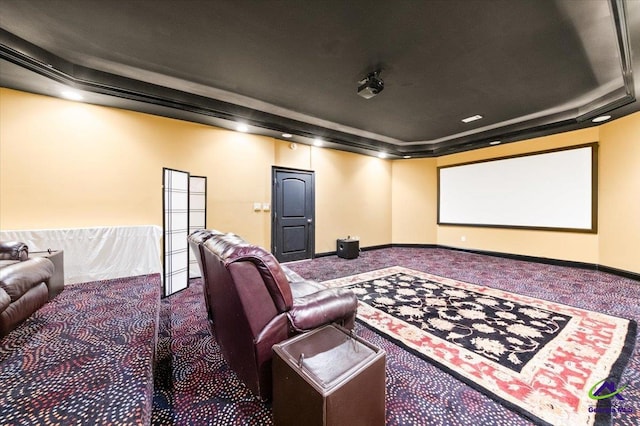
196, 239
252, 305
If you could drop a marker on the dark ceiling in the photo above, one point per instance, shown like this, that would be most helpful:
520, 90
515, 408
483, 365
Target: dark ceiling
528, 67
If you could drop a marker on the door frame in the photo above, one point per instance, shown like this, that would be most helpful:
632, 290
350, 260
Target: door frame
312, 233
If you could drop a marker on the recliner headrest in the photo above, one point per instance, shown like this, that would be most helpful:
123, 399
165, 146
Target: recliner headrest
199, 236
230, 248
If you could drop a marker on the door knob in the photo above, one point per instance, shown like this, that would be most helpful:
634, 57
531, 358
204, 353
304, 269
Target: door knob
309, 220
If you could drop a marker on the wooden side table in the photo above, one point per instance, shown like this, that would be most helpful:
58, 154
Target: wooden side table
328, 377
56, 282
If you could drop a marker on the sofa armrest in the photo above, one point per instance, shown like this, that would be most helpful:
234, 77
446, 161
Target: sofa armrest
291, 275
322, 307
304, 288
5, 300
19, 278
13, 250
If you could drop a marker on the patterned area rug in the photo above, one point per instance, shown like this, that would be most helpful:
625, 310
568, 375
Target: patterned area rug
539, 358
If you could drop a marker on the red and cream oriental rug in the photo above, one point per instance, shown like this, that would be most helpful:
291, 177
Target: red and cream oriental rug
553, 363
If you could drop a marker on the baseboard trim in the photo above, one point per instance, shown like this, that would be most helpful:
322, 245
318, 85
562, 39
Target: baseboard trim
536, 259
335, 253
325, 254
381, 246
413, 245
619, 272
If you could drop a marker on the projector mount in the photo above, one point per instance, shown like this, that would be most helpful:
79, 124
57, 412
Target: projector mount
371, 85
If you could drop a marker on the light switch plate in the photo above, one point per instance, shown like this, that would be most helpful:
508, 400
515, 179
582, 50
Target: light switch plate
257, 207
266, 207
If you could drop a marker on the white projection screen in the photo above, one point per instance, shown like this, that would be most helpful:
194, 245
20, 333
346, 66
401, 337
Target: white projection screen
555, 190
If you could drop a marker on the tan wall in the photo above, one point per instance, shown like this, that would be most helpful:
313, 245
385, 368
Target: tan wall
353, 197
618, 237
353, 193
238, 170
293, 155
619, 193
414, 201
556, 245
68, 164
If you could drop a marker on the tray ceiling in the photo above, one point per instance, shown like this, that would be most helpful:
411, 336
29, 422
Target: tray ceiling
527, 67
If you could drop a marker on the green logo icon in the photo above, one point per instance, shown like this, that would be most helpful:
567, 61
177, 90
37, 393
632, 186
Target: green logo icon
609, 387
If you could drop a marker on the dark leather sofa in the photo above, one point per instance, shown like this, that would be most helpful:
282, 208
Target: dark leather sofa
252, 305
24, 284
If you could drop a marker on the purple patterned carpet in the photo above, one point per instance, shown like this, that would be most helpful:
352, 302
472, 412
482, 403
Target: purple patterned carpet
194, 385
84, 358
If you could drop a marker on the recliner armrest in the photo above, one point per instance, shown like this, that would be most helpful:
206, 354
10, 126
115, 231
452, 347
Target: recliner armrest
291, 275
19, 278
322, 307
304, 288
5, 300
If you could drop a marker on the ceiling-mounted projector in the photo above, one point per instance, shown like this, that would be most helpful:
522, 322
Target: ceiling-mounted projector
371, 85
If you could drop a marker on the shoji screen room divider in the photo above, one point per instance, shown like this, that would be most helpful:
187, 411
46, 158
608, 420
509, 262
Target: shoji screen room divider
197, 215
184, 210
175, 200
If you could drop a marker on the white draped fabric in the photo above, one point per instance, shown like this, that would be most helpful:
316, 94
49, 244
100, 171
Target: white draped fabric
101, 253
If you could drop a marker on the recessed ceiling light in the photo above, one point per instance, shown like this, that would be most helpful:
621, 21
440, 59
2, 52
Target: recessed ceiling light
72, 95
287, 135
241, 127
407, 156
494, 143
601, 119
382, 155
472, 118
318, 142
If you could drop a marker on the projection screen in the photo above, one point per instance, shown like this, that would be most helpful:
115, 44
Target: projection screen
555, 190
